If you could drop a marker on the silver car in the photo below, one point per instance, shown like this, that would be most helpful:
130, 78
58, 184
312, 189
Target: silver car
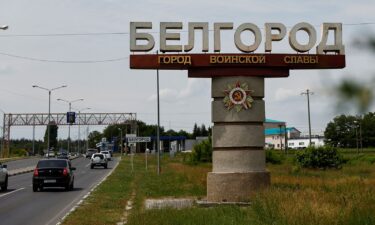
98, 159
3, 177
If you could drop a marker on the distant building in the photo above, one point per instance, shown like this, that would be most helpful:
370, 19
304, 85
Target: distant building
269, 123
303, 142
276, 134
275, 137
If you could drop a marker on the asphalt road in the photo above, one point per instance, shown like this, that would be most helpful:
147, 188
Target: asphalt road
20, 205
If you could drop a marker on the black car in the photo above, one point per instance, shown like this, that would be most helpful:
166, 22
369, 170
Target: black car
53, 173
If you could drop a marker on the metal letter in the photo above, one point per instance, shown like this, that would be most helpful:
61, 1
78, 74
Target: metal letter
262, 59
309, 29
337, 47
212, 59
287, 59
217, 28
164, 36
257, 37
198, 26
166, 59
273, 37
134, 36
220, 59
187, 60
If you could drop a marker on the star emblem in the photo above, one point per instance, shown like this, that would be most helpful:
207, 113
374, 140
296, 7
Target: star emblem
237, 96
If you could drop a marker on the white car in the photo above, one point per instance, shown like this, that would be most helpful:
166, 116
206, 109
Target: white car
98, 159
107, 155
49, 155
3, 177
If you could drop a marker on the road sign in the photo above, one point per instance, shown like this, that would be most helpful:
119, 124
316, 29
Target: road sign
70, 117
138, 139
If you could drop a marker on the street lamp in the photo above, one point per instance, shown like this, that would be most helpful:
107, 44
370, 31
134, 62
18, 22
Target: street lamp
70, 109
120, 140
79, 127
49, 110
2, 136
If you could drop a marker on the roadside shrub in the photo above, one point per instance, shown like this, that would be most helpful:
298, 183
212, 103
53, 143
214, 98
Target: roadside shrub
273, 157
201, 152
19, 152
320, 158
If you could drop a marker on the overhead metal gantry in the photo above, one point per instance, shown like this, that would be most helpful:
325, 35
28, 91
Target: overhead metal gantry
41, 119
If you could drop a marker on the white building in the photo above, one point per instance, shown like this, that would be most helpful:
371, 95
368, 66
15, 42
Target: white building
275, 137
303, 142
276, 134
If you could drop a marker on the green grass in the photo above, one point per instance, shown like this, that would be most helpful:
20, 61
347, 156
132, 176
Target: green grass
296, 196
106, 204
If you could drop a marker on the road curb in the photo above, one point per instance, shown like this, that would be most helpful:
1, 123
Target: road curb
25, 170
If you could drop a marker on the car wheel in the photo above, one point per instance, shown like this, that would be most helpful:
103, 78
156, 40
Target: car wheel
92, 167
72, 186
105, 166
35, 188
67, 187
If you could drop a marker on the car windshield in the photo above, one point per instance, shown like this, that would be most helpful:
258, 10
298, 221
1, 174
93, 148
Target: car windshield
51, 163
99, 155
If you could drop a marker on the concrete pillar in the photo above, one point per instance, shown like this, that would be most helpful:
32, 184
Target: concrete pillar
238, 144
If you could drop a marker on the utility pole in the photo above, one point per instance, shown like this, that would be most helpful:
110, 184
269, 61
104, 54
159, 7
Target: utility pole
87, 137
308, 93
280, 136
120, 140
157, 129
34, 136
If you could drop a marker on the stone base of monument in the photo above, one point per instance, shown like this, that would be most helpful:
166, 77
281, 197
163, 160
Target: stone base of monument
235, 187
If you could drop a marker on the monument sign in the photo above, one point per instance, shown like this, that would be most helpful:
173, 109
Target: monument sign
238, 111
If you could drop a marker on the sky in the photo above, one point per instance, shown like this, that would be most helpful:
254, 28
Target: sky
45, 45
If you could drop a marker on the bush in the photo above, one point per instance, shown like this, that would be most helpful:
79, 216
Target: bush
18, 153
201, 152
321, 157
273, 157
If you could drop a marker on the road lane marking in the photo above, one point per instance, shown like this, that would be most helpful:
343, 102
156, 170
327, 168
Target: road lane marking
11, 192
88, 165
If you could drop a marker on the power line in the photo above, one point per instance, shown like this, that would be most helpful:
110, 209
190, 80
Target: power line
127, 33
63, 61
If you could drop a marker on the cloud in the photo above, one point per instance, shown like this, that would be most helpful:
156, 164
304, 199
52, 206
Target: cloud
282, 94
194, 88
5, 69
168, 95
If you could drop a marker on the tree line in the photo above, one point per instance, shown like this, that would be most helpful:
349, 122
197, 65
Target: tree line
349, 131
25, 146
